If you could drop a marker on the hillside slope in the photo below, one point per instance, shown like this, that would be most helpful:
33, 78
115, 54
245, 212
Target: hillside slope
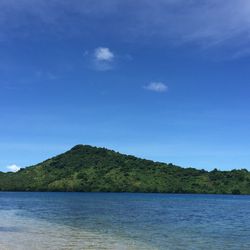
87, 168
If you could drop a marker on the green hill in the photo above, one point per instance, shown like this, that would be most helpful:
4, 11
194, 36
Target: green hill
92, 169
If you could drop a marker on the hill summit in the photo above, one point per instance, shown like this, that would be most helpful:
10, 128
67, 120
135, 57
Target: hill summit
91, 169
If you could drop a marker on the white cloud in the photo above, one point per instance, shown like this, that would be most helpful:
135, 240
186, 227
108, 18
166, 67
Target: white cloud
13, 168
102, 59
157, 87
104, 54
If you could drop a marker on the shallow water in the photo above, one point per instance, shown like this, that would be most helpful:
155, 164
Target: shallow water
123, 221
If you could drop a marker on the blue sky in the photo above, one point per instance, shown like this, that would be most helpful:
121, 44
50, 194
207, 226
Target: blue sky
164, 80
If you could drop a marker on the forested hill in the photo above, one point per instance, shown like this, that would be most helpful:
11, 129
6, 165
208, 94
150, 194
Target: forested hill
87, 168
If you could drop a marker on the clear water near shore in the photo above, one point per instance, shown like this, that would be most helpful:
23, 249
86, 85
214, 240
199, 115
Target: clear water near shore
123, 221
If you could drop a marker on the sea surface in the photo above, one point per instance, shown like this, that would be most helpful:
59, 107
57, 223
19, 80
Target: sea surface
123, 221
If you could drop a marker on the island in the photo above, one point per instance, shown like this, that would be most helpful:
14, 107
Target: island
86, 168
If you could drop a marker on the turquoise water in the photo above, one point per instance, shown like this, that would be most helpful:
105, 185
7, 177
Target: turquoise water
123, 221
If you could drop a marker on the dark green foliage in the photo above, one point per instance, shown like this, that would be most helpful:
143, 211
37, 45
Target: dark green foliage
92, 169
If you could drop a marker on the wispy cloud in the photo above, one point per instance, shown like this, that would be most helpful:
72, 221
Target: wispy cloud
157, 87
13, 168
207, 23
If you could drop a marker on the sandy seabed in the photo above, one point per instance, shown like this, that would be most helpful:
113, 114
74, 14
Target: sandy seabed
22, 233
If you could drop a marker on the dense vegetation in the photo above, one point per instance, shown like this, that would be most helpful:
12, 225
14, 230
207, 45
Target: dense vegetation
86, 168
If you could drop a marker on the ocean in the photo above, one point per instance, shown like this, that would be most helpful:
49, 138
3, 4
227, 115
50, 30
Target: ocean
36, 220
